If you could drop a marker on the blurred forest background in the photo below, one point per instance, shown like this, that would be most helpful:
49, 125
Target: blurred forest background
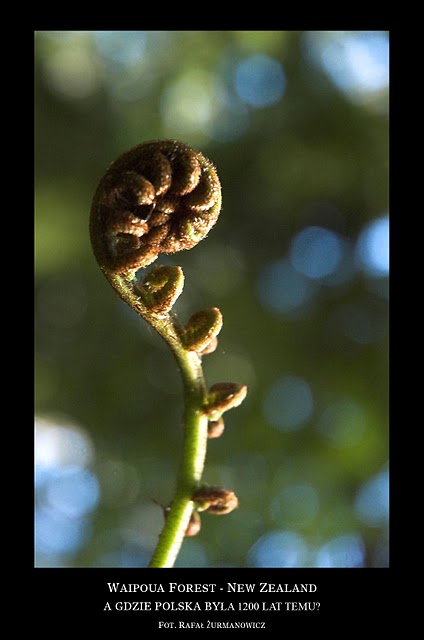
297, 126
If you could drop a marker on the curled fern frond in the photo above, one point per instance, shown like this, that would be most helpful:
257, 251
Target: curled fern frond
163, 197
216, 500
159, 197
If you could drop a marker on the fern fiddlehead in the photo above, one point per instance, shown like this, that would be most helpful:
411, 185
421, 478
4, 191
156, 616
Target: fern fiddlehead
163, 197
159, 197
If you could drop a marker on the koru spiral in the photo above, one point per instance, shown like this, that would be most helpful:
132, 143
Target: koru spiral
159, 197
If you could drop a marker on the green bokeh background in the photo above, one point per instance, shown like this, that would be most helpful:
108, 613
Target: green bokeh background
317, 156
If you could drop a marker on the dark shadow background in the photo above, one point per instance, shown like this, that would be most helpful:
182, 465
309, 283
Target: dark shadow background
297, 126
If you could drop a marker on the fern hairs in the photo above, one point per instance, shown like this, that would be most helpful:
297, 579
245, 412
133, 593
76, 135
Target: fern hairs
160, 197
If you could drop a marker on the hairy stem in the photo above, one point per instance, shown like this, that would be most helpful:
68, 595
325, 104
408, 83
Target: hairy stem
195, 425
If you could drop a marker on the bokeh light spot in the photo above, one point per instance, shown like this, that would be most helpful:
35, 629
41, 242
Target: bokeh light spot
279, 549
121, 47
73, 71
61, 445
74, 493
283, 289
372, 501
372, 249
316, 252
66, 491
346, 551
357, 62
189, 103
260, 80
288, 404
58, 534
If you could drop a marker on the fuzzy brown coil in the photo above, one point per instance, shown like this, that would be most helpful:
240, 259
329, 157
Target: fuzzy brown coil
217, 500
159, 197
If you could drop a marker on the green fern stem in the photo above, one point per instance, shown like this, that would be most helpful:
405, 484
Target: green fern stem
195, 425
